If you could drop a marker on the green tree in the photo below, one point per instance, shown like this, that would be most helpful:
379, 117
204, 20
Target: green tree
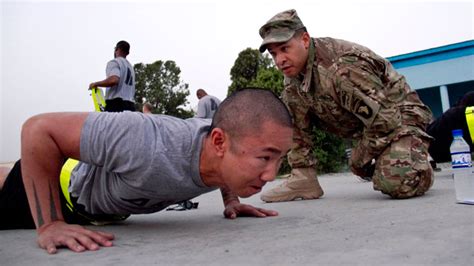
246, 68
269, 78
252, 69
159, 84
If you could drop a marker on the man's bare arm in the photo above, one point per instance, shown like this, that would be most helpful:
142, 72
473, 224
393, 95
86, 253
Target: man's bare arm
46, 141
108, 82
233, 207
228, 196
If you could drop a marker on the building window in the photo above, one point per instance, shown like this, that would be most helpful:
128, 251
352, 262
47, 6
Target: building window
431, 98
457, 90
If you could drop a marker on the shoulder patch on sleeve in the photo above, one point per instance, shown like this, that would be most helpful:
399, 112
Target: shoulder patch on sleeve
359, 104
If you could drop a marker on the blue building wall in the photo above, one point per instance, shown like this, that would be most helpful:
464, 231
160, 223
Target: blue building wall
440, 75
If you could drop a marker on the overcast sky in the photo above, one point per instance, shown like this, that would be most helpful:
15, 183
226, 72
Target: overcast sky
51, 51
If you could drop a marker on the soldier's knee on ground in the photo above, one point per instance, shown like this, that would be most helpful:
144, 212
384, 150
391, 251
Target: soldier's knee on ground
403, 170
406, 187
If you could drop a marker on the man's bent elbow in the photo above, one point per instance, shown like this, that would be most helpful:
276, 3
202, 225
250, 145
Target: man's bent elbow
32, 127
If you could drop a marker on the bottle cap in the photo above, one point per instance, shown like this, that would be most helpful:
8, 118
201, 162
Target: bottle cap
457, 132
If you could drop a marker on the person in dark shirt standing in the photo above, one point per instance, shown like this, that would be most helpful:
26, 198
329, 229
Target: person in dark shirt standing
442, 127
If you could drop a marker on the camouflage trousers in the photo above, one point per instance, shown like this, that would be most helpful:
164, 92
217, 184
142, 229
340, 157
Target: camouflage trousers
403, 169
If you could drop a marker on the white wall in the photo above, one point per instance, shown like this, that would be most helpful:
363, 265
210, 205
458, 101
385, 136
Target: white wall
439, 73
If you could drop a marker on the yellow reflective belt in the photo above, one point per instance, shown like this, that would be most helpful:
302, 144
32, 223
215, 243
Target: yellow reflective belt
98, 99
470, 121
65, 178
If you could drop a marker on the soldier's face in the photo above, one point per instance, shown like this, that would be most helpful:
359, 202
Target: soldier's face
291, 56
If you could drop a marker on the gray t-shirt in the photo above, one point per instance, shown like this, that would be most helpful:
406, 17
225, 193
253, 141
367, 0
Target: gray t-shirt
207, 106
136, 163
125, 89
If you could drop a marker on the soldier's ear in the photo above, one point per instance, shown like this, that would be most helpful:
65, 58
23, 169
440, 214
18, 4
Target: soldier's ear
306, 40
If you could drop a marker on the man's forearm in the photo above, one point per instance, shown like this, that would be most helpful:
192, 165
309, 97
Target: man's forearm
228, 196
44, 202
43, 194
108, 82
41, 164
46, 140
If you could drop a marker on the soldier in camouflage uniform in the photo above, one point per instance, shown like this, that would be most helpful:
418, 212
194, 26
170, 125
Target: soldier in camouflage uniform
347, 89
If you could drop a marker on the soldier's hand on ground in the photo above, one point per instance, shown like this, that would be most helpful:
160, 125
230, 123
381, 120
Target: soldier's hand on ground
365, 172
75, 237
236, 209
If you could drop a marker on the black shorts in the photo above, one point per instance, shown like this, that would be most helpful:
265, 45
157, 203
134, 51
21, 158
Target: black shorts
15, 212
14, 209
119, 105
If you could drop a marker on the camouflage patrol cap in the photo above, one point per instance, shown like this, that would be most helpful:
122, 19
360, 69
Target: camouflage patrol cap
280, 28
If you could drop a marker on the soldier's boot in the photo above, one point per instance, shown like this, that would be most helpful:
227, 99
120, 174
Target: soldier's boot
302, 184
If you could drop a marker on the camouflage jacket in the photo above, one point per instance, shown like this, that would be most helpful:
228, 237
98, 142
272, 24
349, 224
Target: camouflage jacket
350, 91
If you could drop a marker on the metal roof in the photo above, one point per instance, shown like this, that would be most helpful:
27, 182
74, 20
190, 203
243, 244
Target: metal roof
435, 54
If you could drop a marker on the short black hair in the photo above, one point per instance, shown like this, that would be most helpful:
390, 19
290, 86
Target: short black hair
148, 106
245, 111
124, 46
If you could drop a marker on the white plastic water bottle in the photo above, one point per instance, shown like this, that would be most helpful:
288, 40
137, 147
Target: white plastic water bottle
462, 168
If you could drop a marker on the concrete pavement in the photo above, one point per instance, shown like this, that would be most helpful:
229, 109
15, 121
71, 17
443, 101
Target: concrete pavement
351, 224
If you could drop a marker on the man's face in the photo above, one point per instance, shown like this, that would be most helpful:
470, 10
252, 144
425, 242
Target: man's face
200, 95
254, 160
291, 56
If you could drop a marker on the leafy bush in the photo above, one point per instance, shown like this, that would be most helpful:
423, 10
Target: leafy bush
329, 151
